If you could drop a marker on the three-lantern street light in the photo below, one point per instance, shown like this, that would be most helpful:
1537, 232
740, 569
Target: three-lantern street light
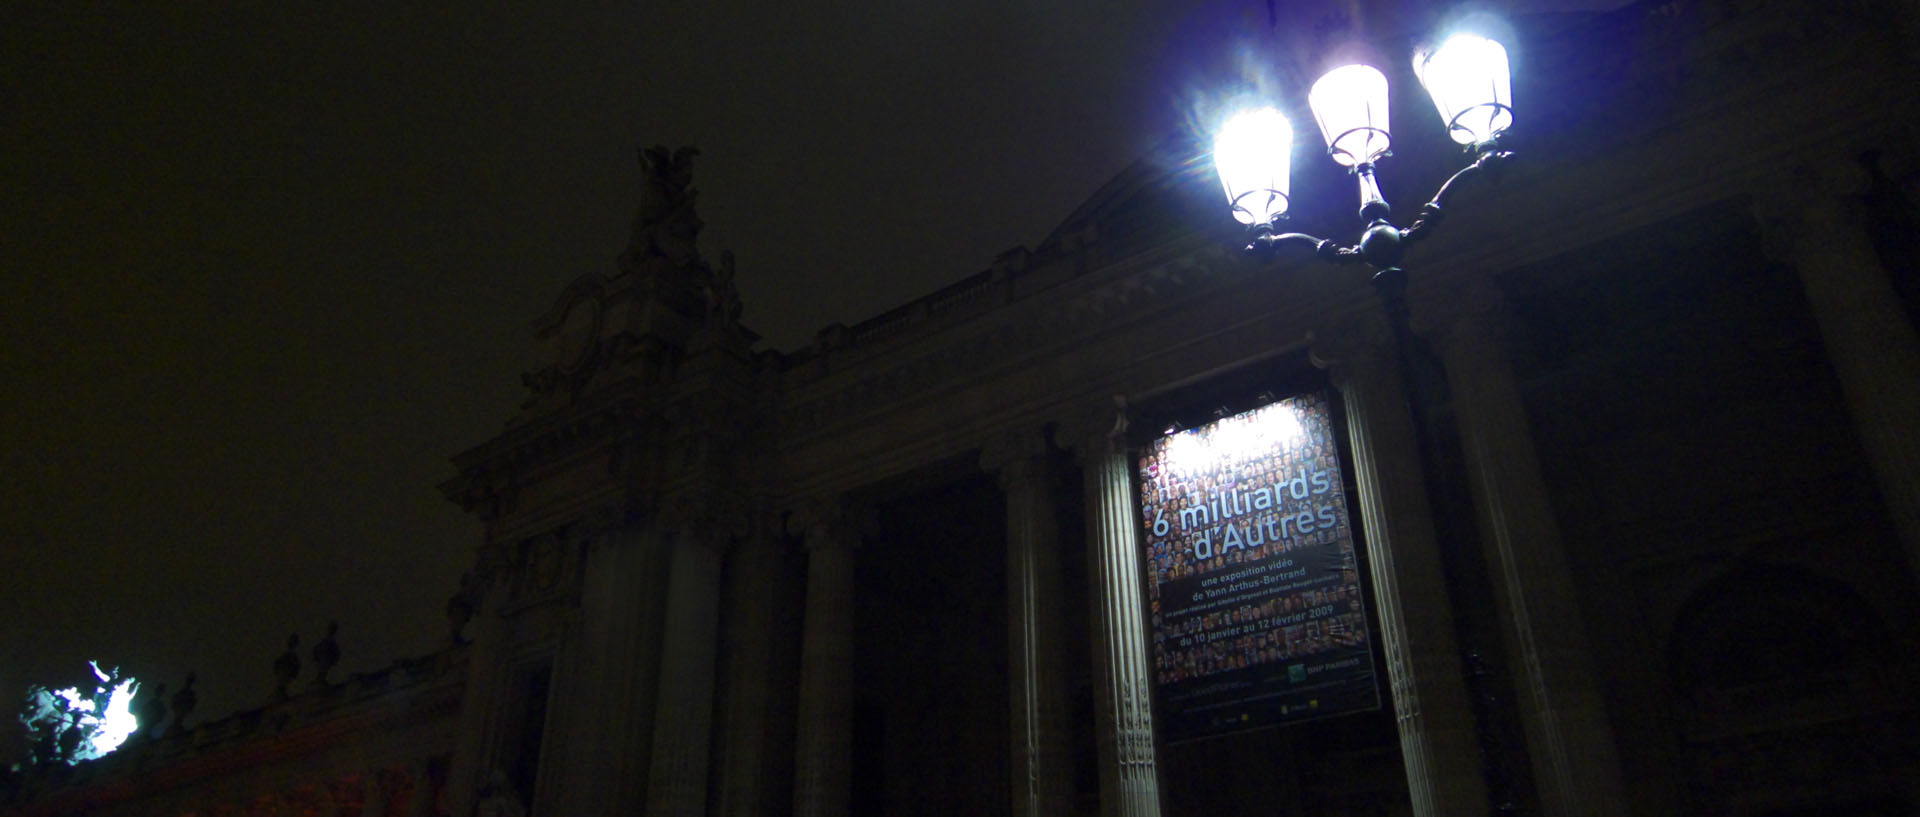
1468, 78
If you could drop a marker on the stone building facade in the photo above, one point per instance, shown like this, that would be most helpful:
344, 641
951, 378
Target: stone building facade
1669, 567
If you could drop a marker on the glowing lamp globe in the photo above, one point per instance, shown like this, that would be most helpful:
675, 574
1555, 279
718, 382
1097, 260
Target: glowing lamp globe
1468, 78
1350, 103
1251, 153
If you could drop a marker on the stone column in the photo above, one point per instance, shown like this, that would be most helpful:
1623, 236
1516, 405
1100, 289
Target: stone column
1415, 621
823, 762
1123, 687
486, 668
1040, 760
560, 749
609, 693
683, 719
743, 760
1818, 220
1576, 765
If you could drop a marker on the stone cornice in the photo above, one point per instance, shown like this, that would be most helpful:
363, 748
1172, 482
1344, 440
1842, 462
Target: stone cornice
491, 472
1061, 316
1137, 335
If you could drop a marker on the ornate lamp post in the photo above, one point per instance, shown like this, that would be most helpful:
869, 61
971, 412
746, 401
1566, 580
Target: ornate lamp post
1467, 77
1469, 81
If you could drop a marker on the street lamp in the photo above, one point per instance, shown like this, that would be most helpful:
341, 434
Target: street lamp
1468, 79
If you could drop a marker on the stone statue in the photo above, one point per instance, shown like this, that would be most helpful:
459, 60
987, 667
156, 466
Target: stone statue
667, 226
723, 301
326, 654
183, 704
286, 668
462, 606
153, 711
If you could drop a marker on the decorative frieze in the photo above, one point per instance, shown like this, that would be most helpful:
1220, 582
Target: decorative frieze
1133, 291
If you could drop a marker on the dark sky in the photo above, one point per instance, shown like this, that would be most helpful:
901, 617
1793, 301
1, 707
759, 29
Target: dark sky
266, 265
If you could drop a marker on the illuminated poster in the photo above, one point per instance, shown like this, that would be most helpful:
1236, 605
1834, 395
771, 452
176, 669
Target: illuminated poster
1254, 590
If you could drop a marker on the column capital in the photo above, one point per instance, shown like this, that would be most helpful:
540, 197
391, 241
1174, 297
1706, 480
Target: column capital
704, 517
1097, 431
832, 521
1471, 312
604, 521
1813, 179
1013, 454
1354, 341
761, 528
1818, 188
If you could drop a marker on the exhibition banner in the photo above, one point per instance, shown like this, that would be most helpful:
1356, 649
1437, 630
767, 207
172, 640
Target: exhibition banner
1253, 585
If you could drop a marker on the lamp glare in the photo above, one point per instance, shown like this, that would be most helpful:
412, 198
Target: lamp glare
1350, 103
1251, 153
1469, 80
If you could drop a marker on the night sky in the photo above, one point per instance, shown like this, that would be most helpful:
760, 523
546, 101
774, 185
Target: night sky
267, 265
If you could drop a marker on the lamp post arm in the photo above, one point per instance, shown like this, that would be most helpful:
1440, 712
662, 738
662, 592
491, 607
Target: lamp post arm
1323, 248
1431, 212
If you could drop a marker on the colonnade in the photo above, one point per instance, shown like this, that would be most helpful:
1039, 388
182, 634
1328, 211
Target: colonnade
1561, 710
1560, 705
1570, 746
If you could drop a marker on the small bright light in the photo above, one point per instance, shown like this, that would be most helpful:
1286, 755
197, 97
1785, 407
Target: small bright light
1252, 152
1470, 82
1350, 103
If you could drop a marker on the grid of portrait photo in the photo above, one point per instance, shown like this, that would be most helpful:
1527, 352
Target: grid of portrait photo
1248, 543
